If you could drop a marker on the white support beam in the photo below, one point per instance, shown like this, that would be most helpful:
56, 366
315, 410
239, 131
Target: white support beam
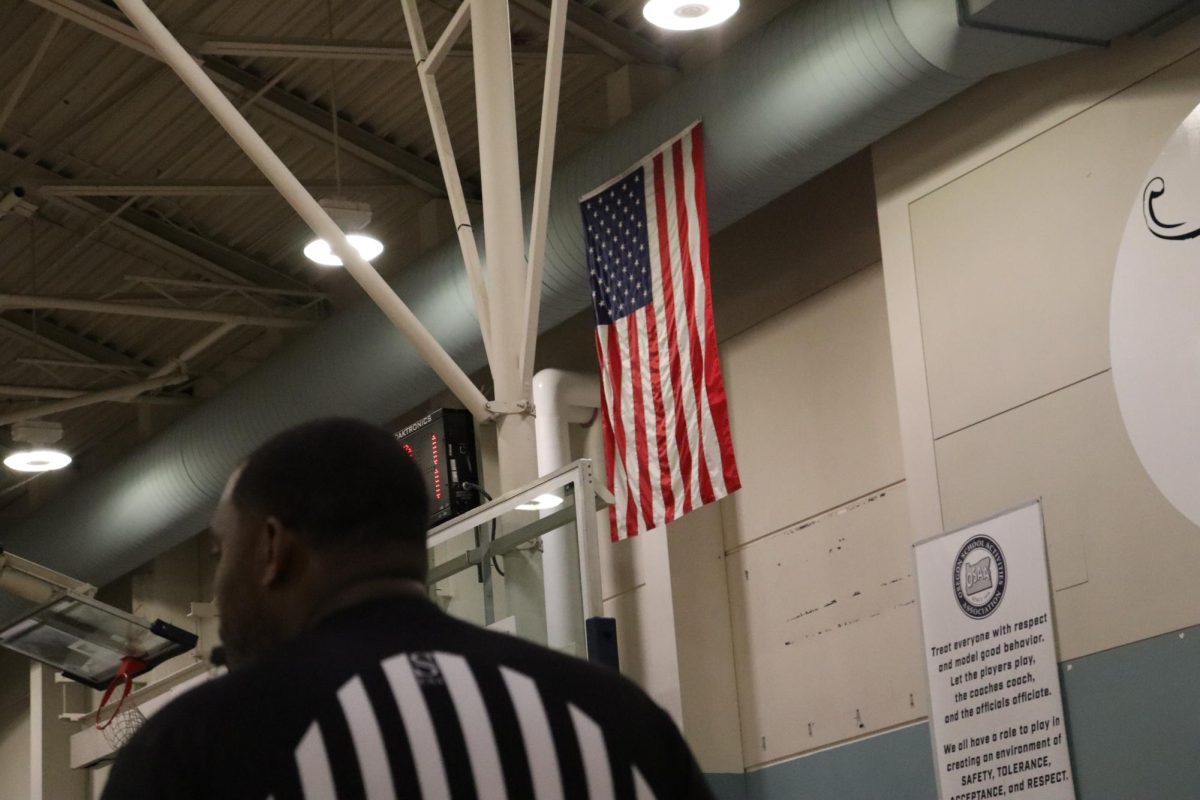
31, 302
179, 363
450, 36
445, 150
541, 187
118, 394
305, 205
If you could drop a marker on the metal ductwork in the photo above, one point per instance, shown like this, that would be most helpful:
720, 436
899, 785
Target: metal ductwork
819, 83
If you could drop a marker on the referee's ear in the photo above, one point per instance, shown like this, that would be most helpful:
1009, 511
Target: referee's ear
280, 553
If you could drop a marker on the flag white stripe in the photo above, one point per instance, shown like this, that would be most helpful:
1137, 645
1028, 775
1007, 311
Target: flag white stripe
594, 752
418, 726
312, 763
712, 450
666, 345
682, 330
535, 731
476, 726
641, 789
368, 741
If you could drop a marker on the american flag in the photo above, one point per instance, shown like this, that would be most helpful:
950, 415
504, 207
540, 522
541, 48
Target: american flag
666, 423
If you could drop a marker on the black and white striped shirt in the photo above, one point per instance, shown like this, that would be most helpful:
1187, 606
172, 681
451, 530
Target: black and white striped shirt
394, 700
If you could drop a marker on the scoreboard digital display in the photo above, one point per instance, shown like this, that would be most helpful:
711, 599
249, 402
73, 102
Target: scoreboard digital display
443, 446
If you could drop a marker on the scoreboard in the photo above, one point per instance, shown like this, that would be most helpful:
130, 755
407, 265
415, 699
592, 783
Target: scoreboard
443, 446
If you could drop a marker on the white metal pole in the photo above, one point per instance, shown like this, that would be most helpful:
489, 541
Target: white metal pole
504, 230
504, 245
560, 398
305, 205
542, 183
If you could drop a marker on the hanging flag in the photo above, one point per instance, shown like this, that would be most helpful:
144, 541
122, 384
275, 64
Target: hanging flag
666, 422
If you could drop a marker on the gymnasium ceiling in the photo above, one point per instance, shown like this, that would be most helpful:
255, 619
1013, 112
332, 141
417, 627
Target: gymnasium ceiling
134, 196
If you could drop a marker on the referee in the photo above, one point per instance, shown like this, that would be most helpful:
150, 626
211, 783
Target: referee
347, 682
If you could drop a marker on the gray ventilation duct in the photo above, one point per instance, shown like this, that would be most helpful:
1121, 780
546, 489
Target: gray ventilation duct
822, 81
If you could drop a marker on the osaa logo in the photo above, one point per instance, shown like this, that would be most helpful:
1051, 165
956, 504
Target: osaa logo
980, 577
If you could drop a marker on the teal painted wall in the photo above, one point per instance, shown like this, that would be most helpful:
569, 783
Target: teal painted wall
1133, 719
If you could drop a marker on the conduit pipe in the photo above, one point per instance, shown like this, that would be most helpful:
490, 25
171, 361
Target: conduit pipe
823, 80
560, 398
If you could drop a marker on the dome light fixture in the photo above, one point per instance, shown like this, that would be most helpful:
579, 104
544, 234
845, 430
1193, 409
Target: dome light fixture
688, 15
39, 435
349, 216
44, 460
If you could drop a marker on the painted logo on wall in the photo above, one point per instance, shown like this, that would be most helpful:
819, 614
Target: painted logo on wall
1154, 322
980, 577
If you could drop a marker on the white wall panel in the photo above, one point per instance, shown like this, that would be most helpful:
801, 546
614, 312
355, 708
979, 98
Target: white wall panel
813, 408
826, 631
1015, 258
1122, 559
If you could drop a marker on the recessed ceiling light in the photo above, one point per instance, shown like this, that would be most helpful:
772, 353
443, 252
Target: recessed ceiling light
689, 15
37, 460
318, 250
541, 502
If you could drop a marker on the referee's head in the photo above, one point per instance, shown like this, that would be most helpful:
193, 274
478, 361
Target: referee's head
321, 516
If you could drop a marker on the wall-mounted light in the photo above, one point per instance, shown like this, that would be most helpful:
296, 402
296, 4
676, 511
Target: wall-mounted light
350, 217
689, 15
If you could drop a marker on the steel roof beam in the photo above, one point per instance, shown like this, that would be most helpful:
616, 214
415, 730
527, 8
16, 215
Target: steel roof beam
198, 188
346, 49
298, 112
62, 340
209, 257
600, 32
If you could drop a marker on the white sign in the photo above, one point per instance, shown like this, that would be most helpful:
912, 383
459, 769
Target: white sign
996, 707
1154, 327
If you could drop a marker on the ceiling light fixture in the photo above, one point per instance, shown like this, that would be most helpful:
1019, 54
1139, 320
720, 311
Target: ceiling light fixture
541, 503
689, 15
350, 217
37, 460
39, 457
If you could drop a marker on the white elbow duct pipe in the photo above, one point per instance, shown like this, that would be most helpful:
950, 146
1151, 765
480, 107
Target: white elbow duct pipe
560, 398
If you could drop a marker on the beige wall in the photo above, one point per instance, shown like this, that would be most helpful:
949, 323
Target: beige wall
1000, 218
14, 725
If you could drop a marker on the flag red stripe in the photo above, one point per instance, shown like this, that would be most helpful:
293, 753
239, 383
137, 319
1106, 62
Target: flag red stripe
614, 367
715, 382
639, 432
664, 248
654, 371
689, 289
